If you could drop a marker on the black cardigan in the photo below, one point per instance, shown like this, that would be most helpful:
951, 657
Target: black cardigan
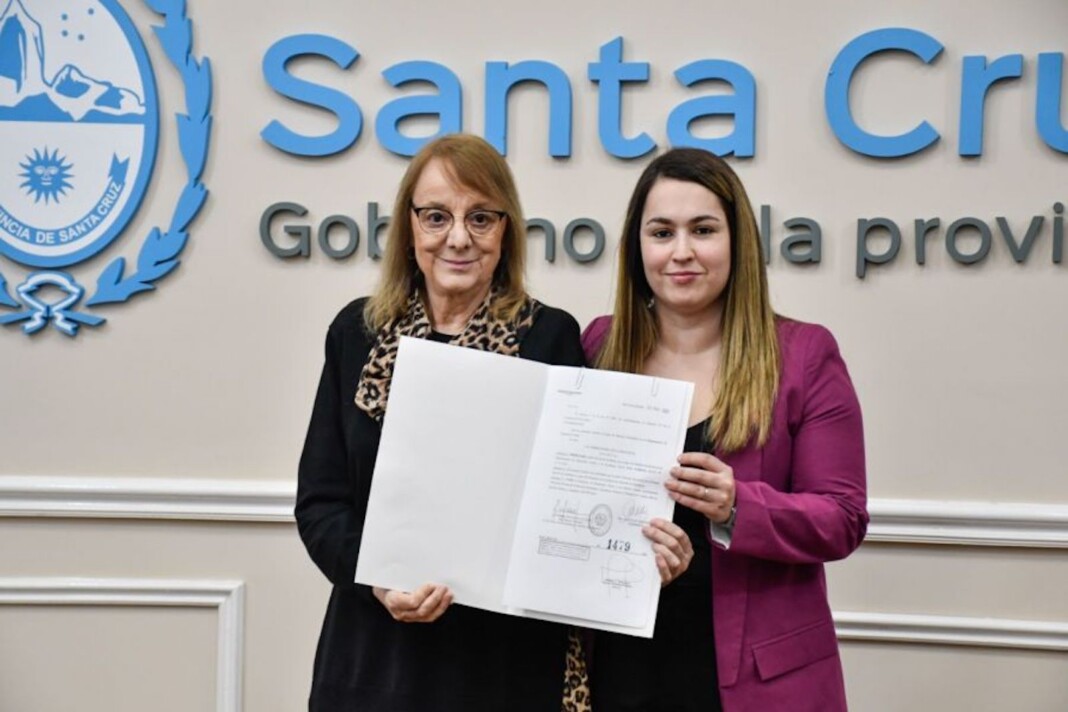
468, 660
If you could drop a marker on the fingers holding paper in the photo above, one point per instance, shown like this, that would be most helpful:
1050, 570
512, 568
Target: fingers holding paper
671, 547
703, 483
423, 605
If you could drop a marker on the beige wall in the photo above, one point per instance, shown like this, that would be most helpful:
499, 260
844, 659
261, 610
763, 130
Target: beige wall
153, 459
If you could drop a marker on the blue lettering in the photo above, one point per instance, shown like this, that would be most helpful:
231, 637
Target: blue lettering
976, 80
500, 78
1048, 106
350, 120
836, 92
609, 74
741, 105
447, 104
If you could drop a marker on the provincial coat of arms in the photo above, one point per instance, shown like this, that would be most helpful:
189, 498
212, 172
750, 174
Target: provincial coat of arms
79, 128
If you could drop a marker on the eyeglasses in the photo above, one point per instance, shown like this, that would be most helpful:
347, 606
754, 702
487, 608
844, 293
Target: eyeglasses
478, 222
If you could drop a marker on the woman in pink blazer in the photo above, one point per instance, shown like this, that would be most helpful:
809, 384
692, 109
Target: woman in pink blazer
772, 482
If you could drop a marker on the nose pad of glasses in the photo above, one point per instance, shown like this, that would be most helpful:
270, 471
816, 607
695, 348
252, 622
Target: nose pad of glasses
458, 234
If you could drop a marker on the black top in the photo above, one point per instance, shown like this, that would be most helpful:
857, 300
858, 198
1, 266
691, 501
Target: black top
676, 670
467, 660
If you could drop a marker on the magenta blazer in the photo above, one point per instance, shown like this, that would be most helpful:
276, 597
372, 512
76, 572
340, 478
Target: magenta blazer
801, 501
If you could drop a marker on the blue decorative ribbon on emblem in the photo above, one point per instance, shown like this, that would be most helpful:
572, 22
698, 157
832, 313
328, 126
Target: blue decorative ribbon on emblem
59, 312
83, 225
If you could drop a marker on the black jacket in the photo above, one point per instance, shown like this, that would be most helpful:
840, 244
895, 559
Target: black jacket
469, 660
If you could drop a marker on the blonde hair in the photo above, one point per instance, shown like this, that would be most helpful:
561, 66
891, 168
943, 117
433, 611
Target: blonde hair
748, 375
474, 164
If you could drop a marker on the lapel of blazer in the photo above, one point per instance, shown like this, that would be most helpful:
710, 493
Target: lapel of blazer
730, 580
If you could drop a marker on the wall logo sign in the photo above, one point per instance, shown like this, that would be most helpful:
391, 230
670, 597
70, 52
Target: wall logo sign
79, 129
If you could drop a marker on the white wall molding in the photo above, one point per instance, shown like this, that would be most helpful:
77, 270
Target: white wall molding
147, 498
909, 521
1018, 524
228, 597
952, 630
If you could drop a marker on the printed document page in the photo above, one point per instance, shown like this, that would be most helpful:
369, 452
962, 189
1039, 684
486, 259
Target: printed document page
523, 487
600, 457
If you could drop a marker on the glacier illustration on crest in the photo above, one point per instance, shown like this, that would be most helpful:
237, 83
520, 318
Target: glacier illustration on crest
71, 95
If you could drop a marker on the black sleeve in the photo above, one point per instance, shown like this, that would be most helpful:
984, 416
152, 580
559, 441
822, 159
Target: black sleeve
325, 512
554, 338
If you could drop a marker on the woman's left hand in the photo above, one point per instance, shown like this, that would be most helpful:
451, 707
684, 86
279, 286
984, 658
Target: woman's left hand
671, 547
703, 483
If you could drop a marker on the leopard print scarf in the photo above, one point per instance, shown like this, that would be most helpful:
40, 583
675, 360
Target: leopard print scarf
483, 332
576, 675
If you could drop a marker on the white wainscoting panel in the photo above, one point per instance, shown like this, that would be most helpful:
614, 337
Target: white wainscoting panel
228, 597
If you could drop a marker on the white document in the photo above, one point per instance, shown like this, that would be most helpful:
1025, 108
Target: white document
523, 487
601, 454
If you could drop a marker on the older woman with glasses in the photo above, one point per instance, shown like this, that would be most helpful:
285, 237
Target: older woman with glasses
771, 485
453, 273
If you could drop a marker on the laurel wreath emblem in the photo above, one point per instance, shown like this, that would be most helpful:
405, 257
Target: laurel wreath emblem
161, 249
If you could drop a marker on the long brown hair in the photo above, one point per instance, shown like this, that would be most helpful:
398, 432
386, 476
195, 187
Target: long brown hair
474, 164
748, 375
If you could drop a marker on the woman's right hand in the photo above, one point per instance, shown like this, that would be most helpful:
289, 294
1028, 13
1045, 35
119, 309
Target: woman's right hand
672, 548
423, 605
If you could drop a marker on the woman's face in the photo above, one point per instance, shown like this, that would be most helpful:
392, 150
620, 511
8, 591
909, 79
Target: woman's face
454, 263
686, 246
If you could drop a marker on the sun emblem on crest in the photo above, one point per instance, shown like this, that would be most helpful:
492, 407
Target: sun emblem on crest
46, 175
